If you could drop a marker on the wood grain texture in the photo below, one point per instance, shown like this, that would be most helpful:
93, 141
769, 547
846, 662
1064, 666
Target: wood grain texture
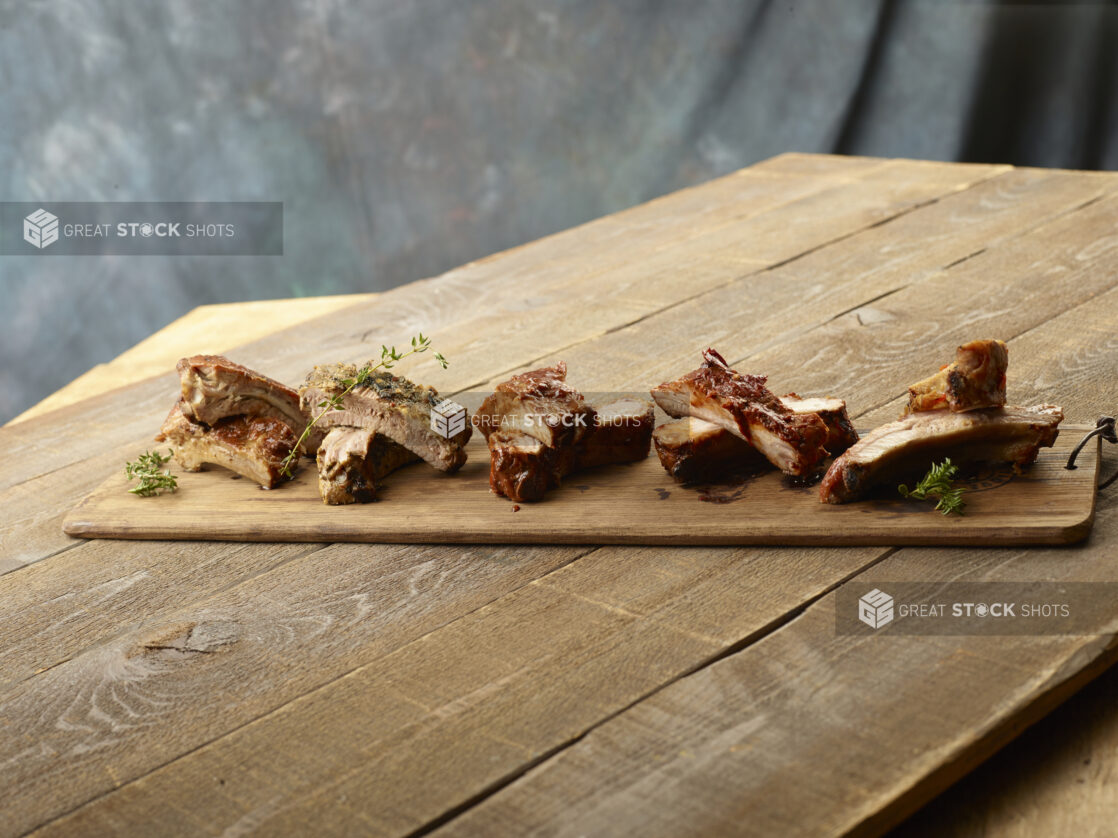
754, 744
300, 693
711, 601
636, 503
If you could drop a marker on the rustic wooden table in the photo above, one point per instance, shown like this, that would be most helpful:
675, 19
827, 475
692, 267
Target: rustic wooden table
182, 687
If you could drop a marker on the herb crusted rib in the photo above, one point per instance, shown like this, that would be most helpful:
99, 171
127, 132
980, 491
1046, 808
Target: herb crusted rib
387, 404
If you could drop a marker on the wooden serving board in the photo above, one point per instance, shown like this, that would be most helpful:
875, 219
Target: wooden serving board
636, 503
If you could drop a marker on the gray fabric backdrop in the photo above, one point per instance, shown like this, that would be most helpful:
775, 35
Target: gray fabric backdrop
405, 138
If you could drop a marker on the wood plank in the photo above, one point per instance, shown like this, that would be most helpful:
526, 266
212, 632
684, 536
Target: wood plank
753, 744
636, 503
158, 675
421, 733
619, 623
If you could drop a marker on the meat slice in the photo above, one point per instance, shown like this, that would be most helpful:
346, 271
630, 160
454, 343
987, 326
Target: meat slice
390, 405
521, 468
538, 403
904, 450
213, 388
540, 429
975, 380
694, 450
740, 403
253, 446
840, 432
352, 460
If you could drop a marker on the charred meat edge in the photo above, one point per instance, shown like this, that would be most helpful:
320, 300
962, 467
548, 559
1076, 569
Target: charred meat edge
975, 380
390, 405
253, 446
903, 450
740, 403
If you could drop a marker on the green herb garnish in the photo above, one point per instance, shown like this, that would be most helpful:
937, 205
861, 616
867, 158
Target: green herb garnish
937, 484
153, 480
388, 357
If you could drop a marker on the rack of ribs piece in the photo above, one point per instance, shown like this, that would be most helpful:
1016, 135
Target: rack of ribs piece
903, 450
214, 388
742, 405
540, 429
352, 460
253, 446
390, 405
975, 380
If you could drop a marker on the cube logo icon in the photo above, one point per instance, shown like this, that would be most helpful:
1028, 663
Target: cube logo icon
448, 418
40, 228
875, 609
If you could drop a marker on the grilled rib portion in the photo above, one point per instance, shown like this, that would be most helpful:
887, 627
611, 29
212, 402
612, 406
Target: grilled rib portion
390, 405
840, 432
975, 380
352, 460
903, 450
539, 430
694, 450
538, 403
253, 446
214, 388
740, 403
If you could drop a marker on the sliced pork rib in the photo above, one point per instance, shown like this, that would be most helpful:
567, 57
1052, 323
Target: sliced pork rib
352, 460
840, 432
253, 446
538, 403
540, 429
904, 450
694, 450
975, 380
213, 388
390, 405
740, 403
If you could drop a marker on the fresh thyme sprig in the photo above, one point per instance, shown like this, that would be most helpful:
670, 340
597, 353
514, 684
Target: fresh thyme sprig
389, 355
937, 484
153, 480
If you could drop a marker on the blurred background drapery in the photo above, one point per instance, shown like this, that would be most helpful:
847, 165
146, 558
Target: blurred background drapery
405, 138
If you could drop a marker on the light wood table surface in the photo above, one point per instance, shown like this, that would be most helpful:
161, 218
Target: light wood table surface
202, 688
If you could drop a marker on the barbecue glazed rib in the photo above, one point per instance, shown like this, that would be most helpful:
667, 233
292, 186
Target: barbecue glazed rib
694, 450
213, 388
975, 380
352, 460
522, 468
903, 450
538, 403
539, 429
840, 432
254, 446
390, 405
740, 403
